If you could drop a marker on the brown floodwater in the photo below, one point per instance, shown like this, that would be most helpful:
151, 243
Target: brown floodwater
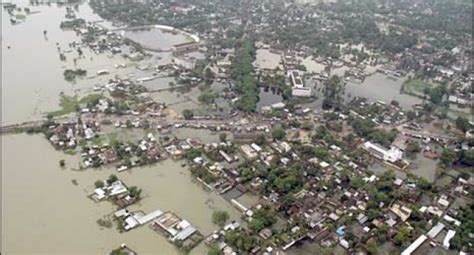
44, 212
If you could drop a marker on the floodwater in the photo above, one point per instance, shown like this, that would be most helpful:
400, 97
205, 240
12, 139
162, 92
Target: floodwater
155, 39
32, 73
45, 210
268, 97
379, 87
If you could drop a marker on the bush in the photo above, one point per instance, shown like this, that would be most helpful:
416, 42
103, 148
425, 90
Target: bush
220, 218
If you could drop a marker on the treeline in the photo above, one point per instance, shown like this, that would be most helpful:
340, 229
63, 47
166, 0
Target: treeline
242, 72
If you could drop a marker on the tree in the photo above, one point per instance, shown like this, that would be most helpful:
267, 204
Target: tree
207, 97
261, 219
402, 236
261, 140
220, 218
412, 149
467, 157
188, 114
333, 90
307, 125
372, 248
134, 192
208, 74
448, 156
411, 115
214, 249
99, 184
278, 133
462, 123
112, 178
223, 137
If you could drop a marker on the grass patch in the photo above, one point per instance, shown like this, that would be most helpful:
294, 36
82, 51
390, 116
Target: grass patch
71, 104
415, 86
70, 152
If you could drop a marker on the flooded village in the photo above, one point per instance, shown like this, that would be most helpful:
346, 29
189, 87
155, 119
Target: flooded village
161, 127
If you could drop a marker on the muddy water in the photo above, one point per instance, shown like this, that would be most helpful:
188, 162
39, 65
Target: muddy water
379, 87
45, 210
32, 73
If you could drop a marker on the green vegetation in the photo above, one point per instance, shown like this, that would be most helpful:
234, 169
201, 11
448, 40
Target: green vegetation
242, 71
71, 104
70, 24
241, 240
448, 156
333, 90
415, 87
278, 133
462, 123
188, 114
134, 192
214, 249
220, 218
261, 219
463, 233
98, 184
223, 137
207, 97
119, 251
71, 75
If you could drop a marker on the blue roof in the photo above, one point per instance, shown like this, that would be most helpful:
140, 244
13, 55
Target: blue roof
341, 230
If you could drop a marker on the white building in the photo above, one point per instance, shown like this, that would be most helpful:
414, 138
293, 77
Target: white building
187, 63
392, 155
298, 90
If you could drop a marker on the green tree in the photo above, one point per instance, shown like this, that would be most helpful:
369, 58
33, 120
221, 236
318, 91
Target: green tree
112, 178
207, 97
134, 191
448, 156
261, 140
333, 90
278, 133
462, 123
99, 184
214, 249
467, 157
188, 114
223, 137
402, 236
372, 248
412, 149
220, 218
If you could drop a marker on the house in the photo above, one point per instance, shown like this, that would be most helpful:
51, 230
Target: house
417, 243
434, 231
185, 47
248, 152
392, 155
174, 227
401, 211
447, 239
186, 63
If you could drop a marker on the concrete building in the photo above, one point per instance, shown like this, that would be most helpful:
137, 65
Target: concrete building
298, 88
